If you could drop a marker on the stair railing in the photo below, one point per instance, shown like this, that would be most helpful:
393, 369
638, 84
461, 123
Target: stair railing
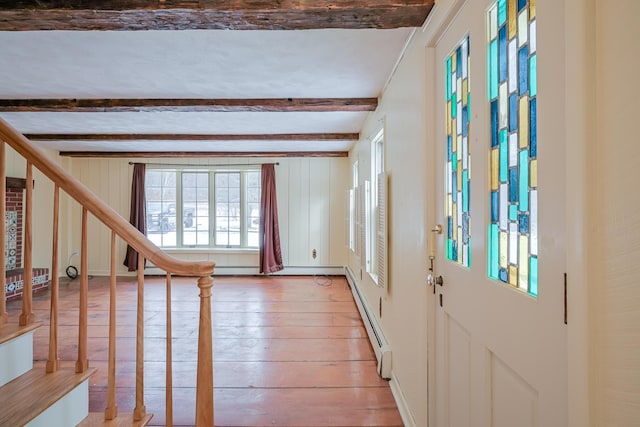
146, 250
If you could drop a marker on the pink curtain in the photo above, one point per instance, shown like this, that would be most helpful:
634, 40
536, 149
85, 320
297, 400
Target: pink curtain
137, 216
270, 252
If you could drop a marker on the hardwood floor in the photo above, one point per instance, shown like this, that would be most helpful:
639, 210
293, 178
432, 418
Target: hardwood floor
288, 351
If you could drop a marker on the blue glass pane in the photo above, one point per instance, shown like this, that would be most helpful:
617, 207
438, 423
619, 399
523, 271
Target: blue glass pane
450, 227
504, 156
502, 57
449, 148
502, 11
465, 191
459, 62
523, 221
454, 249
533, 75
495, 207
521, 4
513, 185
465, 121
494, 123
524, 181
523, 70
533, 276
454, 189
493, 69
503, 275
533, 128
513, 112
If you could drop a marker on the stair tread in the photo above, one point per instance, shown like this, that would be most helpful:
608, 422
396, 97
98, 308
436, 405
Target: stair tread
96, 419
9, 331
18, 395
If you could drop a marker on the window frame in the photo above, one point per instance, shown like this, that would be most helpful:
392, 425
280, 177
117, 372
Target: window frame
377, 167
212, 205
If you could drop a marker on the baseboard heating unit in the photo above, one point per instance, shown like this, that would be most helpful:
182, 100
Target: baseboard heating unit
380, 346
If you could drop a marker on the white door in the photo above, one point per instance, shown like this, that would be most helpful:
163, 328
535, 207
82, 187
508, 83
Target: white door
500, 348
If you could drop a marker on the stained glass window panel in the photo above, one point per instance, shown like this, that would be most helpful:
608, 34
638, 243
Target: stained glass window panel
513, 166
458, 162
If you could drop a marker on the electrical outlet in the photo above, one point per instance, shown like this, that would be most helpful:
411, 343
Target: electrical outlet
314, 254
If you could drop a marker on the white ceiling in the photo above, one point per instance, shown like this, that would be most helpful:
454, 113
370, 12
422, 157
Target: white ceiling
196, 64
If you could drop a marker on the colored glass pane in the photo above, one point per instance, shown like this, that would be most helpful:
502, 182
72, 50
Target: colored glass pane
457, 110
512, 88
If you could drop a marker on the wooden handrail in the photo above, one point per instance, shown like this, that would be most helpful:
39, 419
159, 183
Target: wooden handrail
100, 209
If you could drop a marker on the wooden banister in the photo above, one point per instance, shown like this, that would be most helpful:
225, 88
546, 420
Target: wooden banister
119, 226
27, 316
100, 209
53, 362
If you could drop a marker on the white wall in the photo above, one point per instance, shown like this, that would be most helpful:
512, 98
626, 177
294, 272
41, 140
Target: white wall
310, 206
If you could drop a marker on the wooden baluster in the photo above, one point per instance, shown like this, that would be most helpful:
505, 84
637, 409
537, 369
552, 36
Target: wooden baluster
111, 410
26, 317
204, 382
140, 410
3, 231
169, 385
53, 362
83, 363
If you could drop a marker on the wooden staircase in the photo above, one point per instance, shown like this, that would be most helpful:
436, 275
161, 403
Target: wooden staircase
55, 396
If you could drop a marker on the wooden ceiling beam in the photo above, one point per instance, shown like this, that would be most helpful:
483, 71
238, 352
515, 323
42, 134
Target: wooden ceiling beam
132, 15
199, 154
193, 137
191, 105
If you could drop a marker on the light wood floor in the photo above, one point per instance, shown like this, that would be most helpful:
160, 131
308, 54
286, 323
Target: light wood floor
288, 351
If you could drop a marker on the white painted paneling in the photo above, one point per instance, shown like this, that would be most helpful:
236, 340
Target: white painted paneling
309, 195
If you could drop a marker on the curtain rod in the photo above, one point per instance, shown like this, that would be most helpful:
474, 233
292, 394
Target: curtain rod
205, 165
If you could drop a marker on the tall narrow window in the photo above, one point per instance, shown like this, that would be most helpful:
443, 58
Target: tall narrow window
458, 166
512, 89
377, 167
161, 199
195, 209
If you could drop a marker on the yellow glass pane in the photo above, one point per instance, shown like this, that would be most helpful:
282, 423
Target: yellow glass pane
511, 10
532, 9
523, 263
459, 175
454, 127
454, 214
448, 119
454, 62
495, 177
533, 173
513, 275
465, 91
523, 124
504, 239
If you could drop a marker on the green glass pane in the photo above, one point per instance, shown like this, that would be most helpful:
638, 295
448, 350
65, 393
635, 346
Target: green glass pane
454, 161
502, 12
454, 106
449, 249
533, 276
493, 69
447, 78
533, 76
504, 156
494, 257
523, 198
513, 212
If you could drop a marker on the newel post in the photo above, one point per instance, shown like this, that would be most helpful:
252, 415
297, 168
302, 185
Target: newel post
204, 382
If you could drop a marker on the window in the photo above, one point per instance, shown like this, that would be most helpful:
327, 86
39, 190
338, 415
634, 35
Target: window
512, 89
352, 206
203, 208
377, 167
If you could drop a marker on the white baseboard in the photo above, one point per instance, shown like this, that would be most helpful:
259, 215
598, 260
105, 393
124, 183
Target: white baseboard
401, 402
254, 271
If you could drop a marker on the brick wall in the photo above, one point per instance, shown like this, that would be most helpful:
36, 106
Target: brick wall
14, 231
